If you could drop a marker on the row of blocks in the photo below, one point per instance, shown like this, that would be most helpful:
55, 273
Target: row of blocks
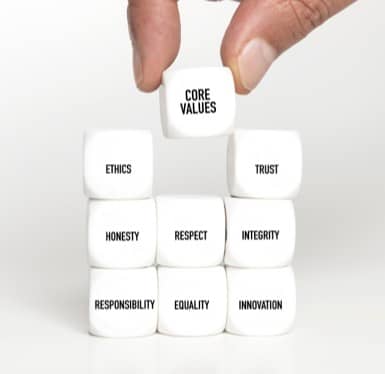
261, 164
191, 231
191, 302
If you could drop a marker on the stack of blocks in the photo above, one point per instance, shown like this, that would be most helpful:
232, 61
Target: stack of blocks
192, 265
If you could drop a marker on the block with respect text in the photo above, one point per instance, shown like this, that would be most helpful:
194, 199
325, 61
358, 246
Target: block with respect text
191, 230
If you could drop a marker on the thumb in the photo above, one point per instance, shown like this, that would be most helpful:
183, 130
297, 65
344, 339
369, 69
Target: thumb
155, 34
261, 30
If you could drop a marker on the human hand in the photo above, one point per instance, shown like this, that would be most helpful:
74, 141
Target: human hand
258, 33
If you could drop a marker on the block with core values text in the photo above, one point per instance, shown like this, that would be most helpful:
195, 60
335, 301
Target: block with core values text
192, 302
123, 303
191, 230
264, 164
121, 233
260, 233
118, 164
260, 301
197, 102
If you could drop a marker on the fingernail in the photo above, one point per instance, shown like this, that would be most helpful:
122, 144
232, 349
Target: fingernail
138, 72
253, 62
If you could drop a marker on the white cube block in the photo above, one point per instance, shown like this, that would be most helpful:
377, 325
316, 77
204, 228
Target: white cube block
118, 164
260, 301
192, 302
264, 164
191, 230
260, 233
121, 233
197, 102
123, 303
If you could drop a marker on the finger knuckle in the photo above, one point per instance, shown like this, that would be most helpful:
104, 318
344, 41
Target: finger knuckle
308, 14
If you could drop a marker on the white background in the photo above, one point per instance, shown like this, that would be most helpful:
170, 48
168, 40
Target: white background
65, 67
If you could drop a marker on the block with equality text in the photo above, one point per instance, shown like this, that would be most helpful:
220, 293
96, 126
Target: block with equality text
192, 302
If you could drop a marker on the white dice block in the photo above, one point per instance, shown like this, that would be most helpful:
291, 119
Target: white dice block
123, 303
197, 102
118, 164
192, 302
260, 301
260, 233
191, 230
121, 233
264, 164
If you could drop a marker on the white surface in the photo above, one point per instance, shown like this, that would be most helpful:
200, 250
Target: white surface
200, 221
109, 289
204, 289
197, 102
65, 67
264, 164
118, 164
272, 222
263, 286
132, 225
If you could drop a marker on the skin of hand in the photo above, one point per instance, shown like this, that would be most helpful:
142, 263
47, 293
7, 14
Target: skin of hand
260, 30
